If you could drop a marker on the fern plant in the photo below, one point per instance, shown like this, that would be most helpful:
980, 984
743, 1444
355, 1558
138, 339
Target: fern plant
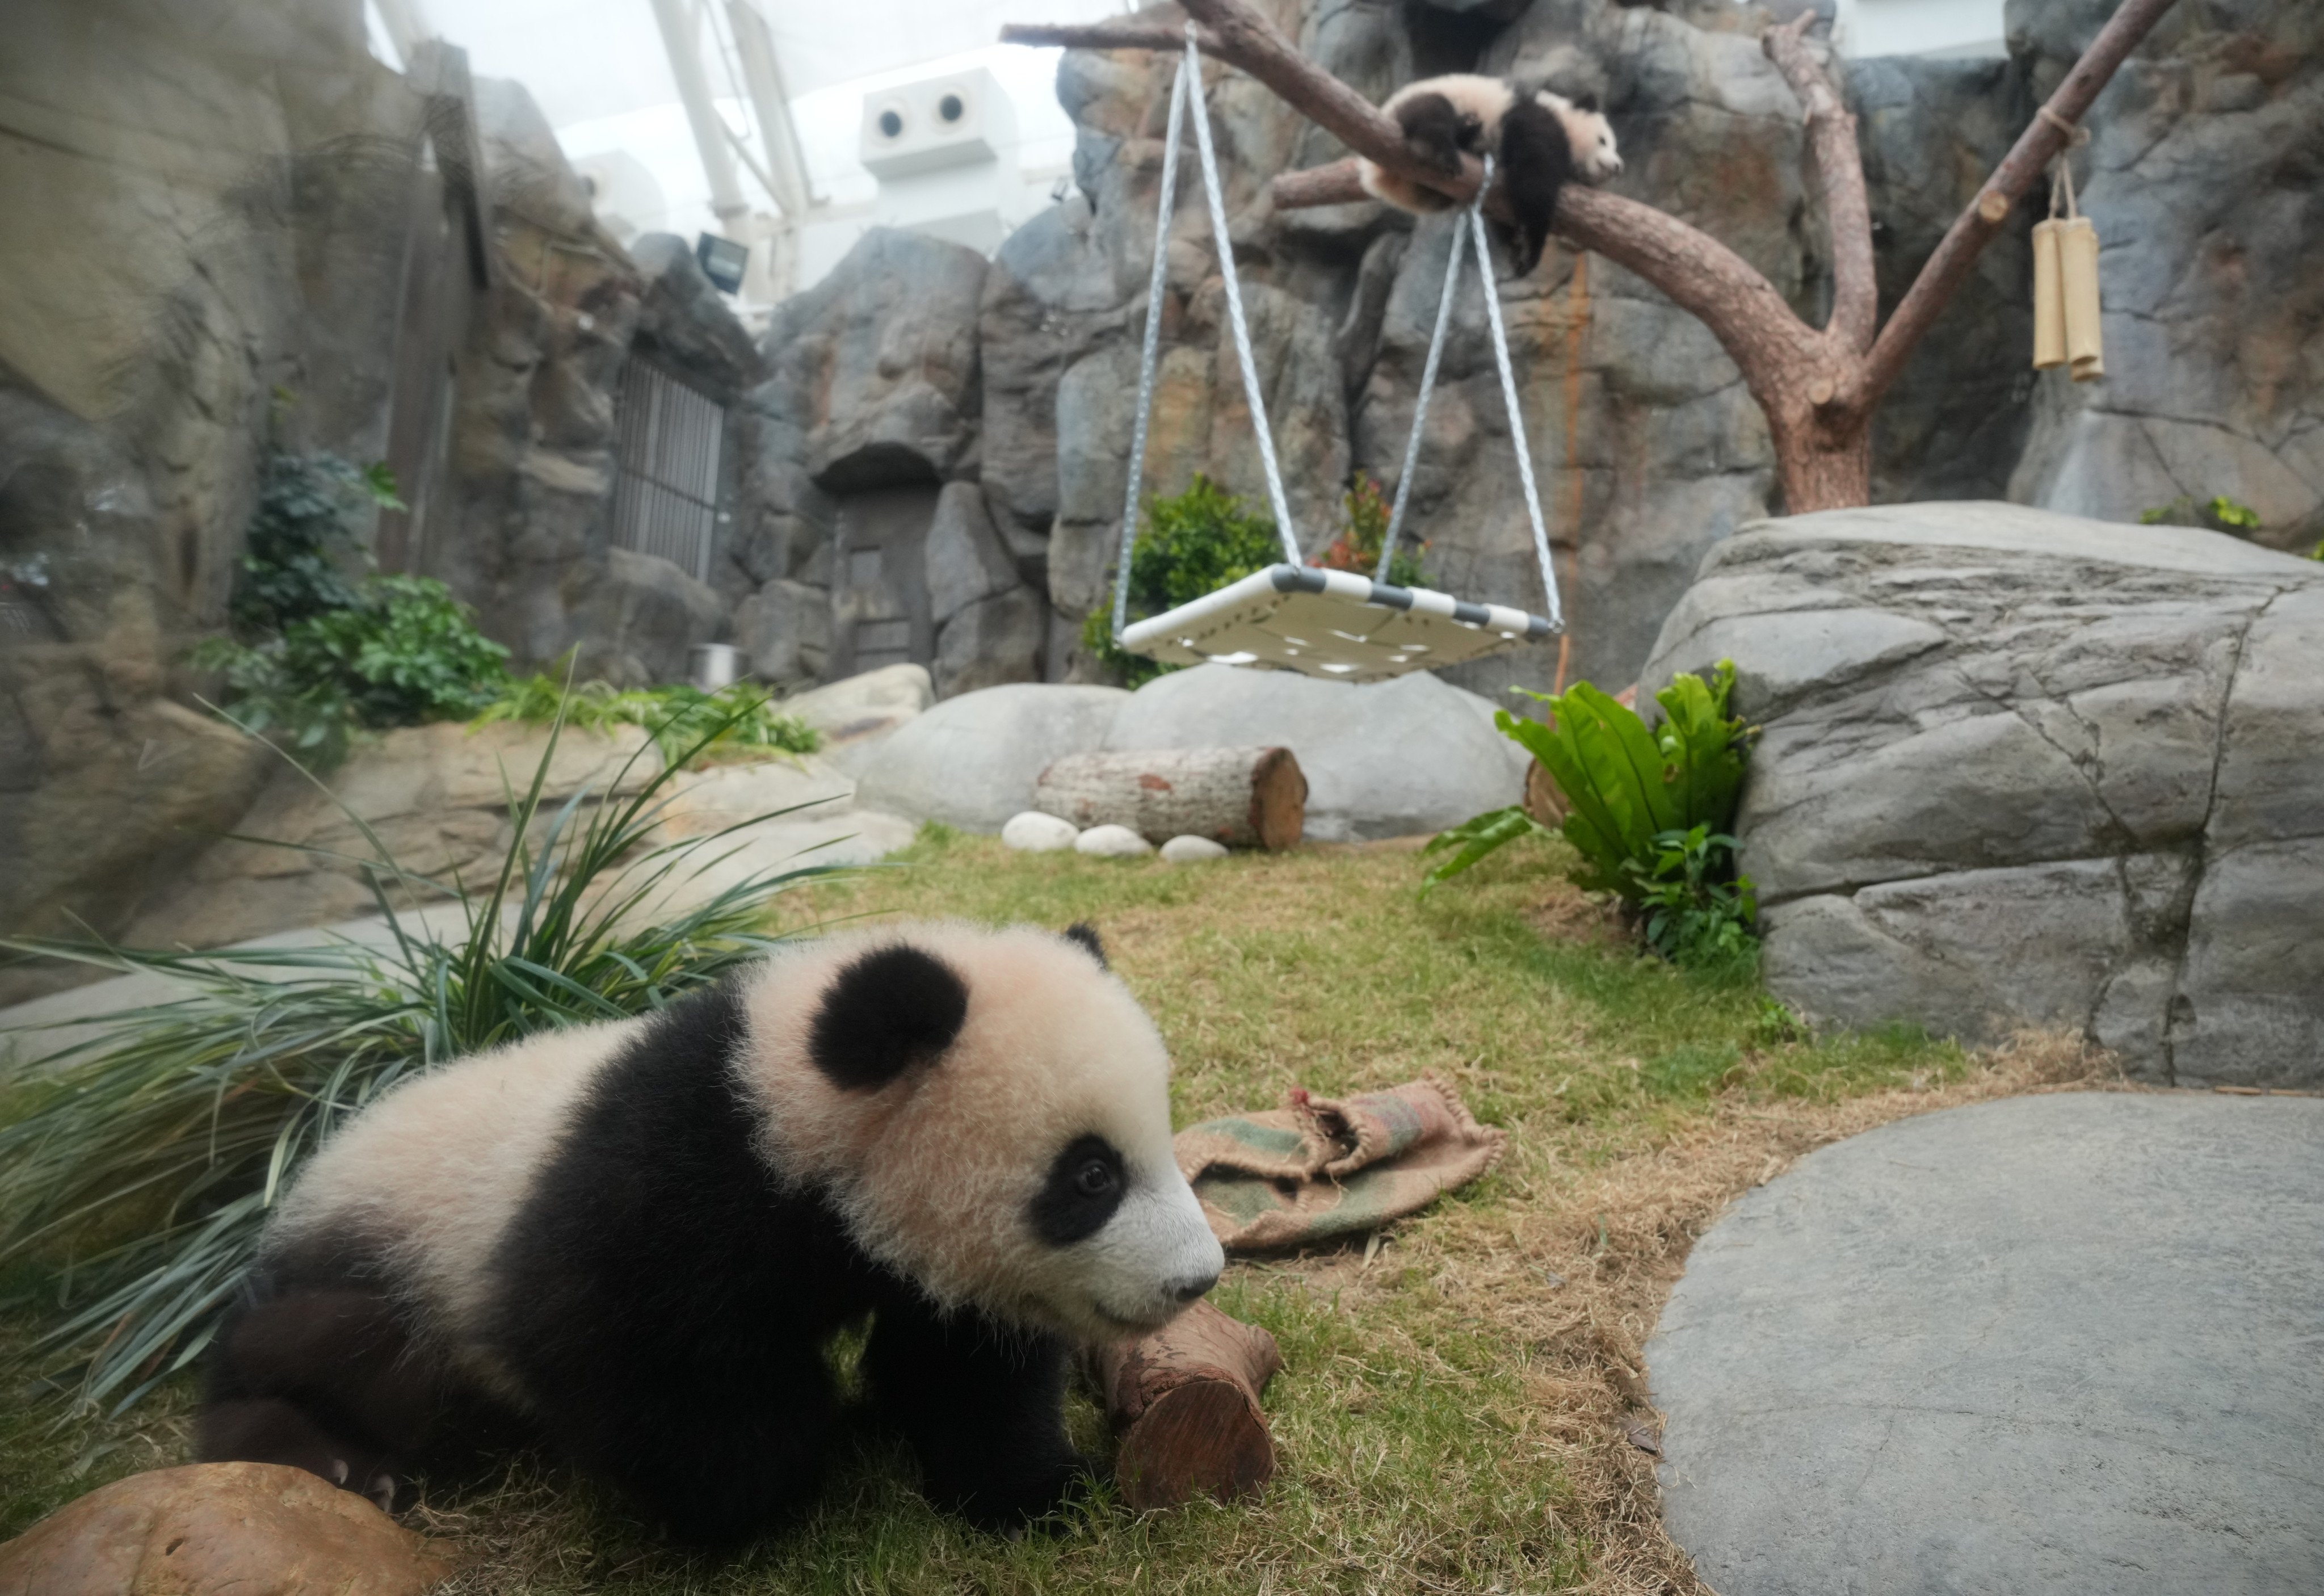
1637, 798
143, 1161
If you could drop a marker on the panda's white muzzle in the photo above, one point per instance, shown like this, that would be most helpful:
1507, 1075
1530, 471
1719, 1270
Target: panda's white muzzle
1153, 1259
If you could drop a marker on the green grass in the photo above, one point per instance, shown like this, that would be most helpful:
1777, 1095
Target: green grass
1443, 1422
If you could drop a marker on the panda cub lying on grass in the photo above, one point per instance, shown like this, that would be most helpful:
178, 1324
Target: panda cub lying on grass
638, 1238
1537, 139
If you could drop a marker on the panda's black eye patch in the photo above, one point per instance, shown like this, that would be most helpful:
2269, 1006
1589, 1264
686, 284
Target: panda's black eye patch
1085, 1184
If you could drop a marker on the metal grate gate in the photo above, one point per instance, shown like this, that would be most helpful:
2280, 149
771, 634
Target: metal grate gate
666, 499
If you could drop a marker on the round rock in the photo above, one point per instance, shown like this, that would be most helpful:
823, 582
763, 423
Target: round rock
2065, 1344
972, 761
1033, 832
258, 1530
1191, 850
1111, 842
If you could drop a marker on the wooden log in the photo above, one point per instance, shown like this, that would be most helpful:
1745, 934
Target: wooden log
1246, 798
1185, 1402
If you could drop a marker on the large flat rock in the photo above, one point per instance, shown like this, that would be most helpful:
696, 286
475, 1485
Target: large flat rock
971, 761
2020, 768
2067, 1344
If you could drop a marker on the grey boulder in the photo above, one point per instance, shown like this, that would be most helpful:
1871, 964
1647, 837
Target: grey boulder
856, 714
2063, 1344
2022, 768
1389, 759
972, 761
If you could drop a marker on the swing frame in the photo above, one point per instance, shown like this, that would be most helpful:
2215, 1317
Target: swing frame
1292, 616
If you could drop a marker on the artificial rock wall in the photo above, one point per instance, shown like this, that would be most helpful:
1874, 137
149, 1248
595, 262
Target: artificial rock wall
918, 363
217, 224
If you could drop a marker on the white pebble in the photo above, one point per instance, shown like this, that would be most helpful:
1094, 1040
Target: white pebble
1033, 832
1111, 842
1191, 850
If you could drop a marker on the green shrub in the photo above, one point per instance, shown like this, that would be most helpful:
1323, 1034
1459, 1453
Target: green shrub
681, 717
141, 1163
2218, 515
1697, 911
305, 533
1193, 543
1647, 809
315, 656
403, 652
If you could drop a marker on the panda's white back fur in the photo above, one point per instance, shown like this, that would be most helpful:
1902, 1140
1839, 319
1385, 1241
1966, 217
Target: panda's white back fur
434, 1171
1487, 99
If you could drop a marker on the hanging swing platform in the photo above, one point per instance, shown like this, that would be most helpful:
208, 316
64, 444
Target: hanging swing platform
1333, 624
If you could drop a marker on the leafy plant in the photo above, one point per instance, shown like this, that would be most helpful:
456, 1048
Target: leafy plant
317, 655
145, 1158
2219, 514
1637, 798
1193, 543
1697, 911
744, 715
403, 652
305, 533
1357, 548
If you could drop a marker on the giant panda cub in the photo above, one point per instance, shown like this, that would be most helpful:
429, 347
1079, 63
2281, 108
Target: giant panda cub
637, 1239
1538, 141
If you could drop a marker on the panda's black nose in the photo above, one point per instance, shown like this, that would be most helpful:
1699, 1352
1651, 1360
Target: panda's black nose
1195, 1289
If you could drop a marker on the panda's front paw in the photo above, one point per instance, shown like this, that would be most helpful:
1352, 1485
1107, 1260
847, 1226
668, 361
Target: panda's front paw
1009, 1501
1441, 157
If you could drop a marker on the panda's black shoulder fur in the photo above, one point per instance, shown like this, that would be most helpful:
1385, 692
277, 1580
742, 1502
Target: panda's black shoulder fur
667, 1300
656, 1281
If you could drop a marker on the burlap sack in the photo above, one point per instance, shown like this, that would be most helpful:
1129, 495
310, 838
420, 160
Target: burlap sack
1322, 1167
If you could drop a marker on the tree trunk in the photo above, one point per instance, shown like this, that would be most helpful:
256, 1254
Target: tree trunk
1246, 798
1823, 456
1185, 1402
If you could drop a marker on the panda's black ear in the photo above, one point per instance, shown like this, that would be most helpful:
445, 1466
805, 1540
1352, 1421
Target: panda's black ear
1585, 102
891, 1008
1085, 934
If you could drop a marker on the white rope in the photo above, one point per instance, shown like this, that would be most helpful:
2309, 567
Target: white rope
1149, 359
1186, 90
1428, 388
1556, 615
1213, 189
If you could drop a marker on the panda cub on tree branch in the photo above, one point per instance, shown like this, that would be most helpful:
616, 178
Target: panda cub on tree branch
1538, 140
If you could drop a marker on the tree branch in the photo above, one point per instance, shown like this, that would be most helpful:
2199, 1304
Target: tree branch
1839, 163
1106, 36
1974, 228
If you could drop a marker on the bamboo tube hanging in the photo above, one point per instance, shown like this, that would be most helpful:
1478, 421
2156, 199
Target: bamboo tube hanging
2066, 305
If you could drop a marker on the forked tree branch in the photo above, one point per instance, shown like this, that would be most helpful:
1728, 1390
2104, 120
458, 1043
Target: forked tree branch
1839, 164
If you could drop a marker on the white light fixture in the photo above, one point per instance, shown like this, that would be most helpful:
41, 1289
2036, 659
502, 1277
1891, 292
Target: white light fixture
951, 119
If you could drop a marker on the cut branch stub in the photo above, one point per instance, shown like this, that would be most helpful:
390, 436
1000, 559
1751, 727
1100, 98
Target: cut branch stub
1185, 1402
